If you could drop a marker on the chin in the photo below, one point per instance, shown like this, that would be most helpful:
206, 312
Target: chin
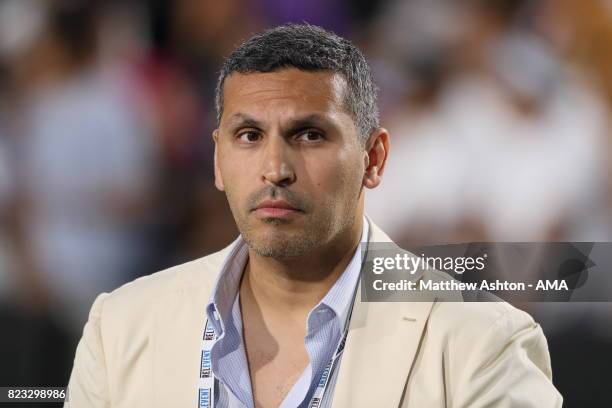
277, 244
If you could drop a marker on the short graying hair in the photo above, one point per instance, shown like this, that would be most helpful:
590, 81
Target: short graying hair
310, 48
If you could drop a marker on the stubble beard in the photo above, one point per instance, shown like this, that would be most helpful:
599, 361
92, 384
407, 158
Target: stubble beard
278, 244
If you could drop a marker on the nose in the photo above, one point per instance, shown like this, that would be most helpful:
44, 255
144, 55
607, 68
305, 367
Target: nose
277, 167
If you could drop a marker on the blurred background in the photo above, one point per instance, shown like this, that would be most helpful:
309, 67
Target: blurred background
498, 111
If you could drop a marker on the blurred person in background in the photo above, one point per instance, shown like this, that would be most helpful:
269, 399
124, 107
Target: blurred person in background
85, 179
175, 74
582, 32
7, 187
190, 39
505, 136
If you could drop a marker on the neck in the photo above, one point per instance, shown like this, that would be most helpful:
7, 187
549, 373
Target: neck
295, 286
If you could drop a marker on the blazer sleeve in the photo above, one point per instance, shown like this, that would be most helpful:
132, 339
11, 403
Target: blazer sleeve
508, 366
88, 385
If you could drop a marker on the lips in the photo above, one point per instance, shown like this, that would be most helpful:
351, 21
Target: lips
276, 204
276, 209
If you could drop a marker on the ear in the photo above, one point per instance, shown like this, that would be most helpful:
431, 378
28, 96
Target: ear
377, 151
218, 178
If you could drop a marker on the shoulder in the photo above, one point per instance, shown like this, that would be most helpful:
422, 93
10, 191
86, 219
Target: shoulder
460, 314
129, 323
464, 320
492, 351
136, 298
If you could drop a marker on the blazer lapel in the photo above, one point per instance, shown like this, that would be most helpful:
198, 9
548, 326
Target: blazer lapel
382, 343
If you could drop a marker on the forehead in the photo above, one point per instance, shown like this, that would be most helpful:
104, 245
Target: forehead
288, 90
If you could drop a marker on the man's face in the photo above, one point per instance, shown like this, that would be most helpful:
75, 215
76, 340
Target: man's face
289, 158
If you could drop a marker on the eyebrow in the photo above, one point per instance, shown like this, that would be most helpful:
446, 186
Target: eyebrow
243, 120
240, 119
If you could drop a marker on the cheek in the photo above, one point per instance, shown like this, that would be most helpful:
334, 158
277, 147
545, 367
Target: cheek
334, 175
233, 180
237, 167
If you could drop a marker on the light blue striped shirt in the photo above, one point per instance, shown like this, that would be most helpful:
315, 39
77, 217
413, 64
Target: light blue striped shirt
325, 326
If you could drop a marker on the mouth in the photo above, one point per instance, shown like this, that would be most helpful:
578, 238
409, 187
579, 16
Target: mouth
276, 209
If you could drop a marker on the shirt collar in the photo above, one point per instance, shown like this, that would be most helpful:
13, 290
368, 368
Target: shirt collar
219, 307
338, 298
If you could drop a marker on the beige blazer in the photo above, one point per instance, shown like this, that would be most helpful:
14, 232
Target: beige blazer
141, 348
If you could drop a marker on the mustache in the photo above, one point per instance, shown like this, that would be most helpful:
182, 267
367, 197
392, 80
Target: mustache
277, 193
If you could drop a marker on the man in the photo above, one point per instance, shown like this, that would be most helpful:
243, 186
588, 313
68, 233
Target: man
262, 323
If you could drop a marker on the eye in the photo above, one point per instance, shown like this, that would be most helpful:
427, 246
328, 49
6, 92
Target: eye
249, 136
310, 136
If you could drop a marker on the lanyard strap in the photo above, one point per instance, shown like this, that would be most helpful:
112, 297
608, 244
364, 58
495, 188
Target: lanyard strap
206, 382
317, 397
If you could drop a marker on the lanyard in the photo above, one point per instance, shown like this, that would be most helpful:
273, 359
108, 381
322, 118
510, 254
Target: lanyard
207, 380
317, 397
